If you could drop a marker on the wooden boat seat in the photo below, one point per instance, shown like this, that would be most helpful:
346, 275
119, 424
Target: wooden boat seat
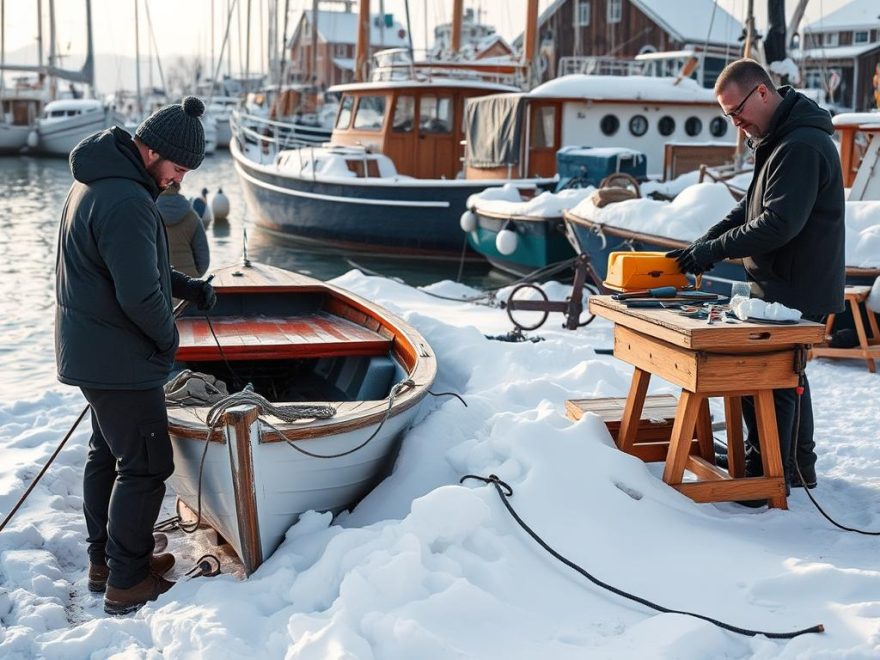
313, 335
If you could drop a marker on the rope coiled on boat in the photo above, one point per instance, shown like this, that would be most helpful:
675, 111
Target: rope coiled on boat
287, 413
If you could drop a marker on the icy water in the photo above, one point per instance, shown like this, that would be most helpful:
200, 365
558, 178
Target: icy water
32, 194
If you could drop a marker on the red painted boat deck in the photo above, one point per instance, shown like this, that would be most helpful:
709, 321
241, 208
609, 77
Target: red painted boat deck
270, 338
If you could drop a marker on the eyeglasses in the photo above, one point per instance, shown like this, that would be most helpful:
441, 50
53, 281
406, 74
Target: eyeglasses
737, 111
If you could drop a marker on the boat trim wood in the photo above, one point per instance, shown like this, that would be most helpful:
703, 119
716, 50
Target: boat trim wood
242, 424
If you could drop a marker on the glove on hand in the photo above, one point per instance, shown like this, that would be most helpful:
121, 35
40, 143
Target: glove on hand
696, 258
199, 292
206, 297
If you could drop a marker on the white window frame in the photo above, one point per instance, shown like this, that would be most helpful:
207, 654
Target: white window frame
615, 11
865, 36
583, 13
831, 39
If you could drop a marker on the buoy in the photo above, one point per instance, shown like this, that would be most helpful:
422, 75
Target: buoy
202, 208
33, 139
506, 241
468, 221
220, 205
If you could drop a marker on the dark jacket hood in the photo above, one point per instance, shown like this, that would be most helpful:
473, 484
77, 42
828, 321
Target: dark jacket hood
795, 111
110, 154
173, 208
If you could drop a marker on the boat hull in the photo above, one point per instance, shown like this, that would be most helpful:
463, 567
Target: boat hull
391, 217
58, 138
540, 242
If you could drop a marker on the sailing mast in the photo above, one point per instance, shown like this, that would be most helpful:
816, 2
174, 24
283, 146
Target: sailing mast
530, 42
137, 63
363, 41
457, 11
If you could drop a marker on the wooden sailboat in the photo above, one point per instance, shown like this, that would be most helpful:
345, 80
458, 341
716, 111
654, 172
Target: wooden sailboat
297, 341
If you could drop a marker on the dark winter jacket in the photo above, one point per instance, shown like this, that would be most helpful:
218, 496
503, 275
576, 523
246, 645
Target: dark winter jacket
113, 323
187, 242
789, 228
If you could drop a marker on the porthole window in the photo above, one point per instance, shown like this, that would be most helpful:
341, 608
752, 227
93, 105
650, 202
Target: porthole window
666, 125
693, 126
718, 127
638, 125
609, 125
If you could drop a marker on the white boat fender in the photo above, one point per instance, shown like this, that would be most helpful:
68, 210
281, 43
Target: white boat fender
33, 139
202, 208
506, 241
220, 205
468, 221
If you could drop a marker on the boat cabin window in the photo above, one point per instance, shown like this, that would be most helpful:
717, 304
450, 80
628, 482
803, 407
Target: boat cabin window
609, 125
435, 114
370, 113
363, 168
666, 125
638, 125
344, 118
693, 126
404, 114
543, 127
718, 127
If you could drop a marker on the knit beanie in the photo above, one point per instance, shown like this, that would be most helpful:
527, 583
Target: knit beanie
176, 133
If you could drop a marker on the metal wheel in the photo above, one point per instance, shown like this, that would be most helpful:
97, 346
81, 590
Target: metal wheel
512, 306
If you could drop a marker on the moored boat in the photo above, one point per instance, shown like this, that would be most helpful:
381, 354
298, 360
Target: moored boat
360, 370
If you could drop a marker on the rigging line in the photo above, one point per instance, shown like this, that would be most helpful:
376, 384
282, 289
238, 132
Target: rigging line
155, 47
706, 43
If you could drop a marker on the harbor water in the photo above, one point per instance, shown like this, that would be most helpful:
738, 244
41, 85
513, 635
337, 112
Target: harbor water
32, 195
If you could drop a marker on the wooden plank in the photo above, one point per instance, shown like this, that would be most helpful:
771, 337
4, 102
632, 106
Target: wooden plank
610, 409
705, 470
632, 412
682, 436
768, 438
307, 335
670, 326
701, 371
704, 433
733, 490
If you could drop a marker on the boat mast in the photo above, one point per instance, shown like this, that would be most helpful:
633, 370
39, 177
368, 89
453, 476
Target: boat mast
313, 66
363, 41
739, 154
530, 39
457, 11
137, 62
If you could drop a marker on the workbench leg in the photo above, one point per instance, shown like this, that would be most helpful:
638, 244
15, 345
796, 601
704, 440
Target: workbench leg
872, 322
736, 466
704, 433
632, 412
860, 331
768, 438
682, 436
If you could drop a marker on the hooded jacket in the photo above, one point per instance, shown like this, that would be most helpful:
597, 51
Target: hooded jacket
789, 229
187, 242
113, 322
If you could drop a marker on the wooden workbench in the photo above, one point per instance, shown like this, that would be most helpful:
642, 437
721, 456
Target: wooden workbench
728, 360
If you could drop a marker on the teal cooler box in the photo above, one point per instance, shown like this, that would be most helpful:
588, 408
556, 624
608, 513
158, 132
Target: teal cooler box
579, 167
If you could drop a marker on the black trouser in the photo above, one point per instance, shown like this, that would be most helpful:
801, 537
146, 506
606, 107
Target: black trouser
129, 459
801, 449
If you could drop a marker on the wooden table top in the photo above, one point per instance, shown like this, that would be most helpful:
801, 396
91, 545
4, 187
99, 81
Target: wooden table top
696, 334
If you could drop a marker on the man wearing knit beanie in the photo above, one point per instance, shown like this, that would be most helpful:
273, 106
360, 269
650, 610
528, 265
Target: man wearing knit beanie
115, 337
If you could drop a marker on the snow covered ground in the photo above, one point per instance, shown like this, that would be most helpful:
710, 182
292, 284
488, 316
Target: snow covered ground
427, 568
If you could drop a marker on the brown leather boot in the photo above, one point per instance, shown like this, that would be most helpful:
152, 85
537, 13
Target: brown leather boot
98, 573
125, 601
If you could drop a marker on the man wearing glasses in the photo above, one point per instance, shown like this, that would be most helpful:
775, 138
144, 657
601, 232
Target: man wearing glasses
788, 230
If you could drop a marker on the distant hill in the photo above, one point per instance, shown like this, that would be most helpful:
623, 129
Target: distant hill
112, 72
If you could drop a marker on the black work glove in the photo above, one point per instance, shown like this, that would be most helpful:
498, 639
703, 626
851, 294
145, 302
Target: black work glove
199, 292
696, 258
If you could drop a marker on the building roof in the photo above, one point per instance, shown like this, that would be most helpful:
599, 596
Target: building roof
684, 20
857, 14
836, 53
340, 27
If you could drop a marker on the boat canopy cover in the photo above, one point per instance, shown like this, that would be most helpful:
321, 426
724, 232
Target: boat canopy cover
493, 129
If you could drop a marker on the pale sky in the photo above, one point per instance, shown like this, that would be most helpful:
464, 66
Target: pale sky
184, 26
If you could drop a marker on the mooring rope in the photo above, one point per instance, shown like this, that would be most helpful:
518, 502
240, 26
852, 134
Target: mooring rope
505, 491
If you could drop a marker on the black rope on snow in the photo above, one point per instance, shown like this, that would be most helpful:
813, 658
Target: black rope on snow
456, 395
205, 566
505, 492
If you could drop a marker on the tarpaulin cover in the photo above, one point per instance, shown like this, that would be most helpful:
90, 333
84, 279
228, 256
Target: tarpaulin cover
493, 129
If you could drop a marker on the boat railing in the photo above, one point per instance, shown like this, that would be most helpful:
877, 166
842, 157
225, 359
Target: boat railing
273, 135
600, 66
396, 64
